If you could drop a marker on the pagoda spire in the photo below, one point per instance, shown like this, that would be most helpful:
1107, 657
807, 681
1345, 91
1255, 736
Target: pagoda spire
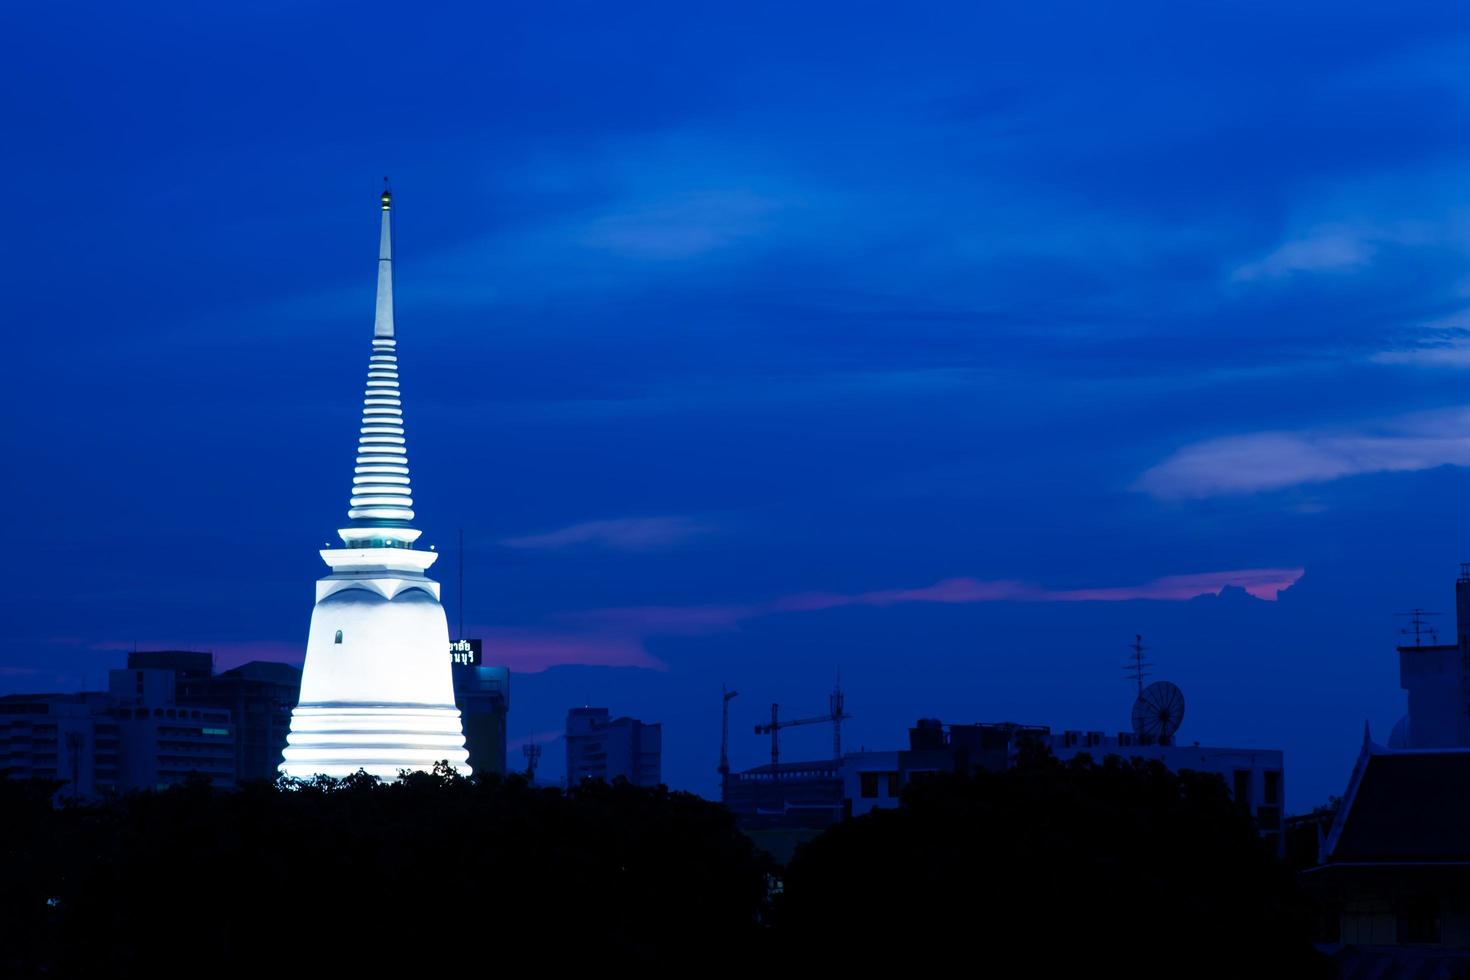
381, 494
383, 322
377, 691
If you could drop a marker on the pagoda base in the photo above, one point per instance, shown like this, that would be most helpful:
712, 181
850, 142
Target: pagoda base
337, 739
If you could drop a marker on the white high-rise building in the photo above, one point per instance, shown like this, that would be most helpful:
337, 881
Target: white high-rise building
376, 689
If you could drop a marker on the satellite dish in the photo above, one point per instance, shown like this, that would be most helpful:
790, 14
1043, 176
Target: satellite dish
1158, 712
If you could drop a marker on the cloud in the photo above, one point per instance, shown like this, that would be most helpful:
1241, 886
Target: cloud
1444, 342
682, 225
1446, 354
620, 534
617, 637
671, 619
1263, 583
530, 651
1274, 460
1334, 250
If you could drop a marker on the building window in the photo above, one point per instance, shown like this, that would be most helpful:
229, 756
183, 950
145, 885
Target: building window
1419, 921
895, 787
339, 637
868, 783
1272, 790
1242, 789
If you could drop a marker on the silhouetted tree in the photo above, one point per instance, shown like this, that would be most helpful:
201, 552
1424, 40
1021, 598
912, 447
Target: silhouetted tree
358, 877
1080, 869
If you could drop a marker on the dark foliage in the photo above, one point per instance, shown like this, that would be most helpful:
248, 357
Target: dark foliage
1052, 870
1076, 870
360, 878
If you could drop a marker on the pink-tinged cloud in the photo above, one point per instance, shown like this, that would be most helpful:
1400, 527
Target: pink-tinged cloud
1263, 583
621, 534
617, 637
531, 651
953, 590
669, 619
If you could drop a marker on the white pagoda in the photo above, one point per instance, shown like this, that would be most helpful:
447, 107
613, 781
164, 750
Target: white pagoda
376, 690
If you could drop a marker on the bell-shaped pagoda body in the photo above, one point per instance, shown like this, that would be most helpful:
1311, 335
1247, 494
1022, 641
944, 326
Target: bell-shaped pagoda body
377, 693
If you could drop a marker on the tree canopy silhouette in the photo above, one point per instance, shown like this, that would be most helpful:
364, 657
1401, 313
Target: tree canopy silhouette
1076, 869
355, 875
1082, 869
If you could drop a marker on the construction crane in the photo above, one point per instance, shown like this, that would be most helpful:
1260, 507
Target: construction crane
726, 695
836, 713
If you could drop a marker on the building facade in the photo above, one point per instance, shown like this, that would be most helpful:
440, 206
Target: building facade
259, 696
162, 742
66, 737
794, 796
135, 736
482, 695
1436, 678
1393, 882
601, 747
872, 780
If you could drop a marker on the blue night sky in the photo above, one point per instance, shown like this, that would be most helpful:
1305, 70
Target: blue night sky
950, 344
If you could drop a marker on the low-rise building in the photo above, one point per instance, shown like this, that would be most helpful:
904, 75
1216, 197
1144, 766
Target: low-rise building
64, 737
258, 695
162, 742
1394, 879
786, 796
134, 736
871, 780
601, 747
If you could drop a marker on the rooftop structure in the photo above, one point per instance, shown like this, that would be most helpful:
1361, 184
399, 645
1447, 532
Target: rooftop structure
1436, 678
1394, 876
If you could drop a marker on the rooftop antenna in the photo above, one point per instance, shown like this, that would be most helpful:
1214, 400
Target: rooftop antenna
724, 769
1137, 669
835, 706
532, 752
1419, 627
461, 583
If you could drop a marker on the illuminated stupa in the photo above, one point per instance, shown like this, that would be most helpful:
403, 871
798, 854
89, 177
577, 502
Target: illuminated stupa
376, 690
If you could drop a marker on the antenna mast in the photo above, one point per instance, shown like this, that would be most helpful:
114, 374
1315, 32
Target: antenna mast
1137, 669
834, 706
461, 584
532, 752
724, 768
1419, 626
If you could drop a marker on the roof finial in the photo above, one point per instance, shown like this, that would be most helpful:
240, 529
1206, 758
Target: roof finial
383, 322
